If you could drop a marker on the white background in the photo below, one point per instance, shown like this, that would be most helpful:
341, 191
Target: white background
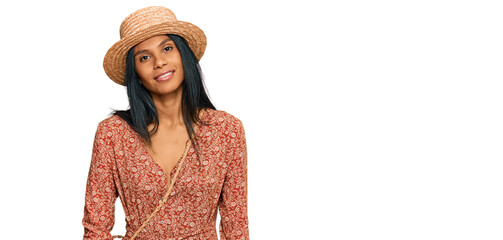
364, 119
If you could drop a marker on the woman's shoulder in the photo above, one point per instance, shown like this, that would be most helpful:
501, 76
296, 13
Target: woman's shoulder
111, 123
214, 117
220, 117
113, 120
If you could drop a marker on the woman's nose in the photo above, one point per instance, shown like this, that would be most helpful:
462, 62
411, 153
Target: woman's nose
160, 62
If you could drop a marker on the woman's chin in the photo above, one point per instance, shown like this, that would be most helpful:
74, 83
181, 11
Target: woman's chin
164, 91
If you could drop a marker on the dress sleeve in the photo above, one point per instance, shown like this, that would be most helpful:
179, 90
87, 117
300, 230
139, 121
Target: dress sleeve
99, 209
233, 204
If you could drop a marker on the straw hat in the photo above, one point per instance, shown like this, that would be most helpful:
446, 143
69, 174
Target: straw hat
143, 24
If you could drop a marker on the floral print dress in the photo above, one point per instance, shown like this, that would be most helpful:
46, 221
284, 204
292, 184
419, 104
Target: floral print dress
121, 166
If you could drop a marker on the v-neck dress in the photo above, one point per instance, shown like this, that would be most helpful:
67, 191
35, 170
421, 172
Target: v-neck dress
121, 166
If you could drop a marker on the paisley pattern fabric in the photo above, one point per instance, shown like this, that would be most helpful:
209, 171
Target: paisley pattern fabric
121, 166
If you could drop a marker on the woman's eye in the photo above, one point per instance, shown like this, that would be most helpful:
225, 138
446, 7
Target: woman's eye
167, 48
143, 58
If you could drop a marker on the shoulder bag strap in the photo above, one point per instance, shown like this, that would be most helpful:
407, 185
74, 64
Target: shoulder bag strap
164, 199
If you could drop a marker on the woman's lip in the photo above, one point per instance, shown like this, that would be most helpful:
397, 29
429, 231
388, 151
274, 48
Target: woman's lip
160, 78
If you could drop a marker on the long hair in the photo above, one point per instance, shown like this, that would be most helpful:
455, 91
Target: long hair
142, 110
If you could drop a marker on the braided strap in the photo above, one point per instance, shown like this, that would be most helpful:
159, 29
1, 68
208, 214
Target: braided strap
164, 199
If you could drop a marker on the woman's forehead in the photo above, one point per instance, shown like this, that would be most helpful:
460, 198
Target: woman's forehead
153, 42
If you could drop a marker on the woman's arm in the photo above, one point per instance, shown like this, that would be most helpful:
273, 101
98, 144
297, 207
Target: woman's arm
233, 205
101, 193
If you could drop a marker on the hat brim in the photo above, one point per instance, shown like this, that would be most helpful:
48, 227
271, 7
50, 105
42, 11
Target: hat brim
114, 62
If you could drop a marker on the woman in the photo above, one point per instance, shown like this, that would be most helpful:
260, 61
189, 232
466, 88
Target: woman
171, 158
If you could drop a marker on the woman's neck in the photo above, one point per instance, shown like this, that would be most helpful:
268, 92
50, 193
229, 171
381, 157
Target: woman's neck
169, 109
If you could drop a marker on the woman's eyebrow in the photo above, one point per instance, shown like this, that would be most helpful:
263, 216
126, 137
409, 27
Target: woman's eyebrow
160, 45
165, 41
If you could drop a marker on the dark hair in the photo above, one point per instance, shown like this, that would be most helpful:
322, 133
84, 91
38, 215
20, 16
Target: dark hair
142, 110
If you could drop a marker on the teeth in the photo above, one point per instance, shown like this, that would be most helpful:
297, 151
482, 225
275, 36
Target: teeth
165, 75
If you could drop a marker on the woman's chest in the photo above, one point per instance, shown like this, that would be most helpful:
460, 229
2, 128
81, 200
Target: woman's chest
168, 147
201, 173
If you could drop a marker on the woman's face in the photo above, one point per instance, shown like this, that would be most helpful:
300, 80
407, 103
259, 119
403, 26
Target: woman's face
159, 65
